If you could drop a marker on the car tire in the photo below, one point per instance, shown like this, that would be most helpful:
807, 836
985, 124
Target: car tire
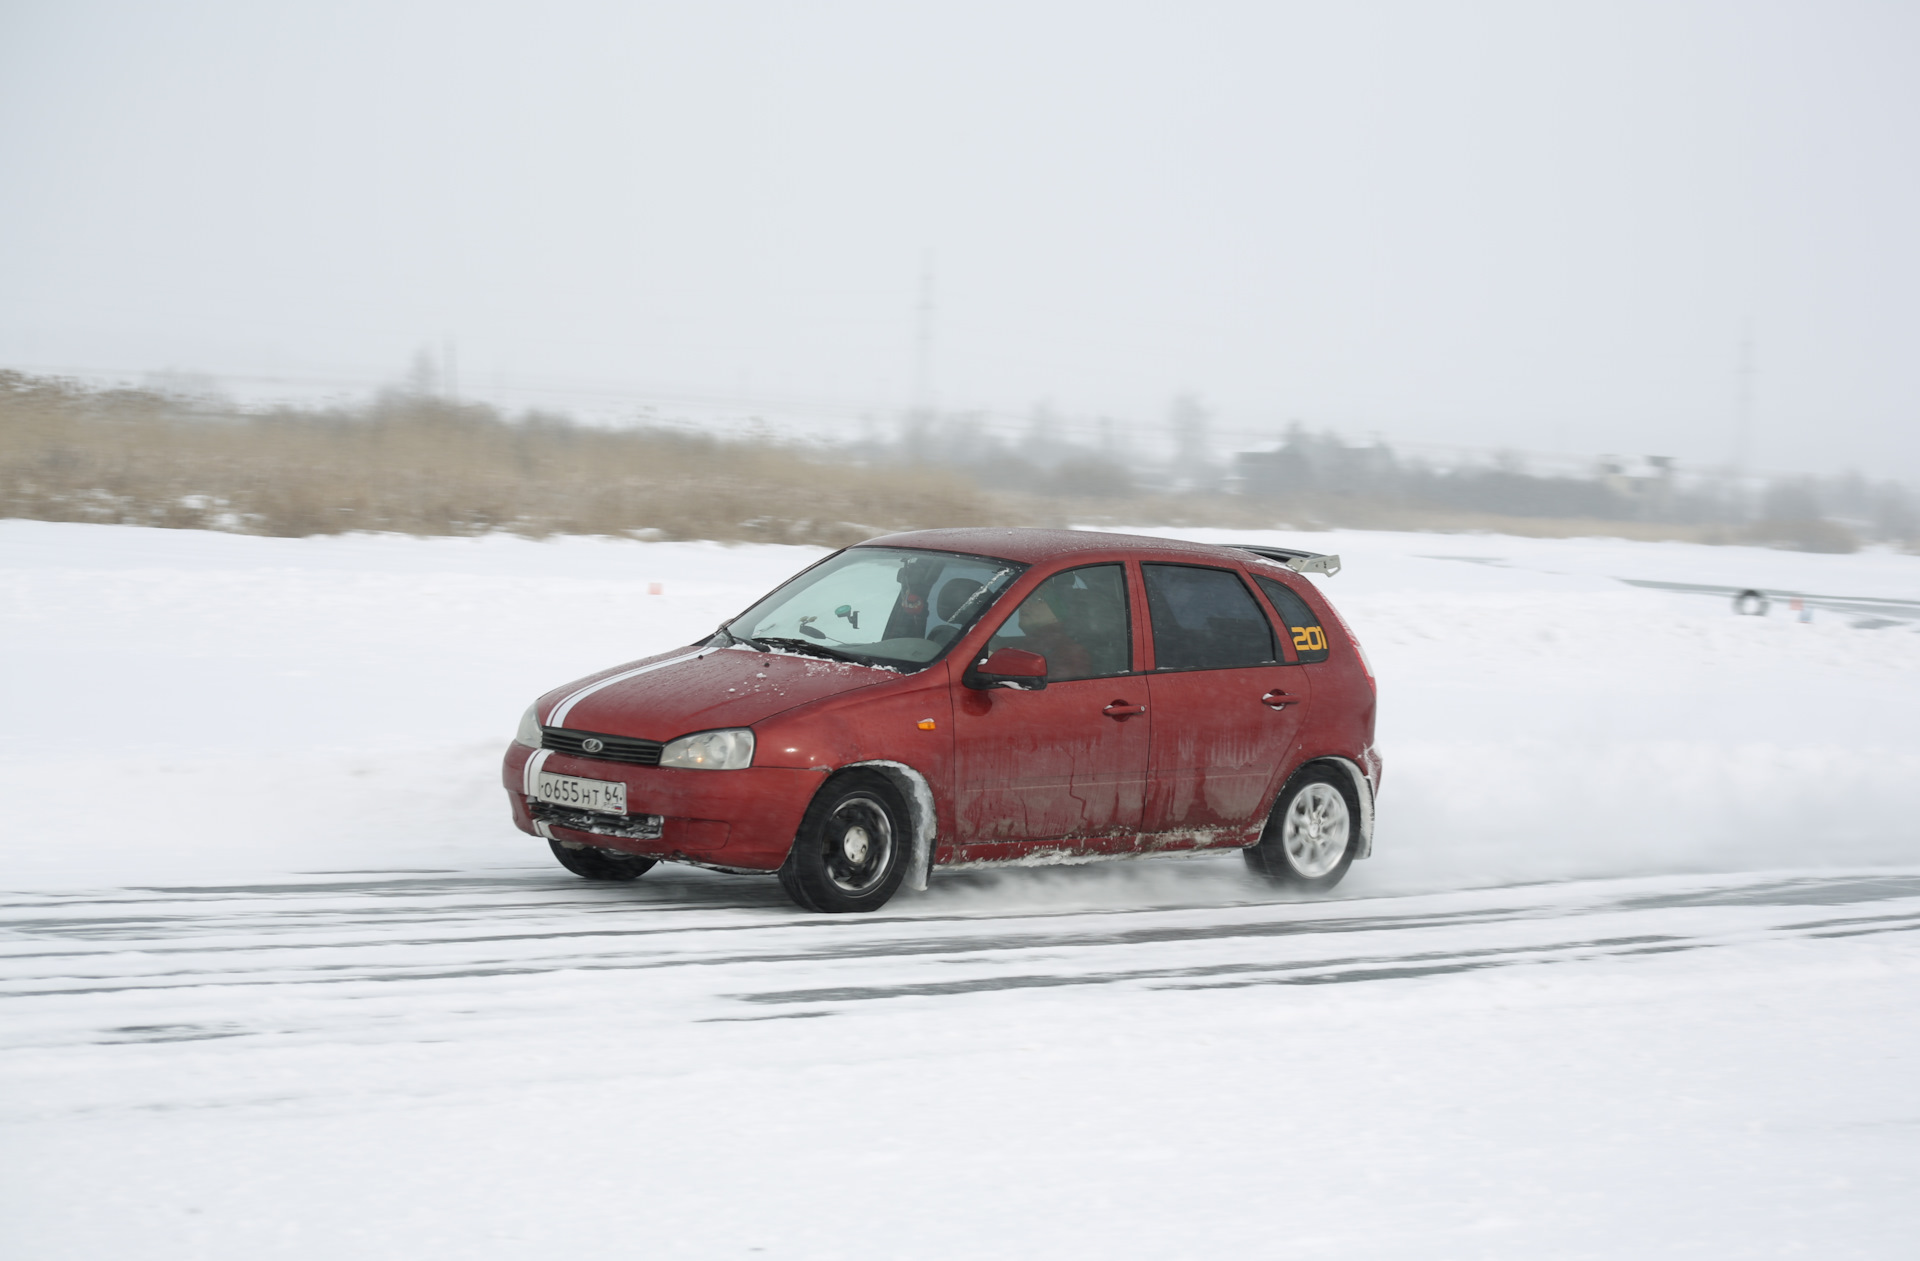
1313, 833
600, 864
792, 886
853, 847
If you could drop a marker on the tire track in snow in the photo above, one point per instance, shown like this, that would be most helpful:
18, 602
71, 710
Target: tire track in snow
441, 939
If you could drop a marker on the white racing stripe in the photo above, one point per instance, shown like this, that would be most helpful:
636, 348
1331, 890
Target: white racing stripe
529, 783
531, 779
557, 716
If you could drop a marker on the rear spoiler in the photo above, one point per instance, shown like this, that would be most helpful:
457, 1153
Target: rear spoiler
1299, 562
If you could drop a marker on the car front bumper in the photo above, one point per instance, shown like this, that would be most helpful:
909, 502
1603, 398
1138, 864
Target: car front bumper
743, 820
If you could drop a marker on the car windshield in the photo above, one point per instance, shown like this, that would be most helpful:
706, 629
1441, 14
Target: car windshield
886, 606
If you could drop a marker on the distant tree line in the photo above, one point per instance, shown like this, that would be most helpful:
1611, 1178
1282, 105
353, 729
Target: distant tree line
1820, 513
415, 461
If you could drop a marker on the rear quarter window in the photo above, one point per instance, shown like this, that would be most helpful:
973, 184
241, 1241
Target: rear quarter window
1303, 624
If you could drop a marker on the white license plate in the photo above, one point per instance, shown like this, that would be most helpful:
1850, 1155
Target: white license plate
575, 793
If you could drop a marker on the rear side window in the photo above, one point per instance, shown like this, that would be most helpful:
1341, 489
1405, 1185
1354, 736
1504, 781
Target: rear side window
1303, 627
1205, 619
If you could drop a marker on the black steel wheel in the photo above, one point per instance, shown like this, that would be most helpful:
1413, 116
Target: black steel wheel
590, 863
853, 846
1313, 833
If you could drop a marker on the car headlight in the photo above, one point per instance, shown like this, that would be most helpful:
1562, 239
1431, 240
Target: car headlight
711, 751
529, 733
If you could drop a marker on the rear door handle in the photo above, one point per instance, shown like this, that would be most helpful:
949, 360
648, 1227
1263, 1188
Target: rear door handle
1120, 711
1278, 700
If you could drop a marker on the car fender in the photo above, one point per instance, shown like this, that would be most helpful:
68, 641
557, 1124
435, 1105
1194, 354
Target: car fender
918, 793
1363, 789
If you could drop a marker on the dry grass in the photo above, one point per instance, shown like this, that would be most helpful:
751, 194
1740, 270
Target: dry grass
423, 465
427, 466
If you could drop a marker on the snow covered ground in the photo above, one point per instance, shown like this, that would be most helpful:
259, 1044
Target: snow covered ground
279, 978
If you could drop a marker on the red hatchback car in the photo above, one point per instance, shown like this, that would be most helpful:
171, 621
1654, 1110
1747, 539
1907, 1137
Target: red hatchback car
955, 698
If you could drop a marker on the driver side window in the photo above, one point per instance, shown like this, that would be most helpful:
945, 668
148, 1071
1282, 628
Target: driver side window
1078, 621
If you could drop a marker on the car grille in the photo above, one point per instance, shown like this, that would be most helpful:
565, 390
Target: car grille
613, 748
638, 827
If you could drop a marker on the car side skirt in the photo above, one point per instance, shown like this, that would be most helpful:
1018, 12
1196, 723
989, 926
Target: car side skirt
1071, 857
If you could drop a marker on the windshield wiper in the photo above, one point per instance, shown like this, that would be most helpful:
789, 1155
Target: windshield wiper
732, 638
808, 646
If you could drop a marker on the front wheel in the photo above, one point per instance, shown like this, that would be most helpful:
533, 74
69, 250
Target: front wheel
1313, 832
853, 846
590, 863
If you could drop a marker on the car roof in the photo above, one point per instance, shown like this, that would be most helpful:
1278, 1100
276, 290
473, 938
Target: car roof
1035, 546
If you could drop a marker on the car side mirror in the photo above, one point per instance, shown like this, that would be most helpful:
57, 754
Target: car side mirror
1008, 667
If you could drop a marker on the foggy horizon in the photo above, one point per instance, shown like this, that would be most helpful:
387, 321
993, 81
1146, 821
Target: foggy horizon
1485, 226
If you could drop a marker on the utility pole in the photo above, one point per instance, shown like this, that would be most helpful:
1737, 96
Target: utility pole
920, 413
1743, 407
923, 340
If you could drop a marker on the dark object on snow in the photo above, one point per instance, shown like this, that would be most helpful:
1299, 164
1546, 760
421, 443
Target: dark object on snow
590, 863
1751, 603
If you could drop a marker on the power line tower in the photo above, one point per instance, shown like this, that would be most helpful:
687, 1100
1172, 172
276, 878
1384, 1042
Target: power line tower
1189, 422
1743, 407
920, 412
923, 339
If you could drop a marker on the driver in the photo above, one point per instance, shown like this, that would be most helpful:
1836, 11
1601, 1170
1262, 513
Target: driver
1067, 657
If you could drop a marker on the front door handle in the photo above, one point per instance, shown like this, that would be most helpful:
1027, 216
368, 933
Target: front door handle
1277, 699
1120, 711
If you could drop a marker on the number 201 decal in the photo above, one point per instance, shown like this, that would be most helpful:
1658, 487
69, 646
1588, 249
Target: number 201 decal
1309, 639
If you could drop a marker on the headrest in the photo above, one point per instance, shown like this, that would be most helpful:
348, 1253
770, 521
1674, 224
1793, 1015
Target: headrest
955, 595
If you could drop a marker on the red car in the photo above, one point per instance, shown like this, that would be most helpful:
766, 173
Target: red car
954, 698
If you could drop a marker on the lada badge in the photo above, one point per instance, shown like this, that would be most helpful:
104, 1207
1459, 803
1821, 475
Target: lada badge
591, 745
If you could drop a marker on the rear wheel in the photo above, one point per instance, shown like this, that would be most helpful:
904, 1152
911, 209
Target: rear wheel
590, 863
852, 848
1313, 832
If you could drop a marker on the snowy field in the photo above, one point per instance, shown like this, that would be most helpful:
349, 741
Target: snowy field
1641, 938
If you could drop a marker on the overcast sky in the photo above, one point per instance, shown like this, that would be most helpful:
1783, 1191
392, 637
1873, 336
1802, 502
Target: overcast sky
1530, 225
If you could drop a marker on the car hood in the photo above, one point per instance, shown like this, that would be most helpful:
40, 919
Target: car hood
700, 689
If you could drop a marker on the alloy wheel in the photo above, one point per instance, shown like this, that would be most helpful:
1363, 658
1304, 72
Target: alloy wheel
1317, 830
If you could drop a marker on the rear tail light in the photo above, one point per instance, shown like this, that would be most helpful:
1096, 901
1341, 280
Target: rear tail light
1366, 663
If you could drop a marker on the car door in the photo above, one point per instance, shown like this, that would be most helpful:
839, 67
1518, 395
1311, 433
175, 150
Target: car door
1227, 707
1064, 767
